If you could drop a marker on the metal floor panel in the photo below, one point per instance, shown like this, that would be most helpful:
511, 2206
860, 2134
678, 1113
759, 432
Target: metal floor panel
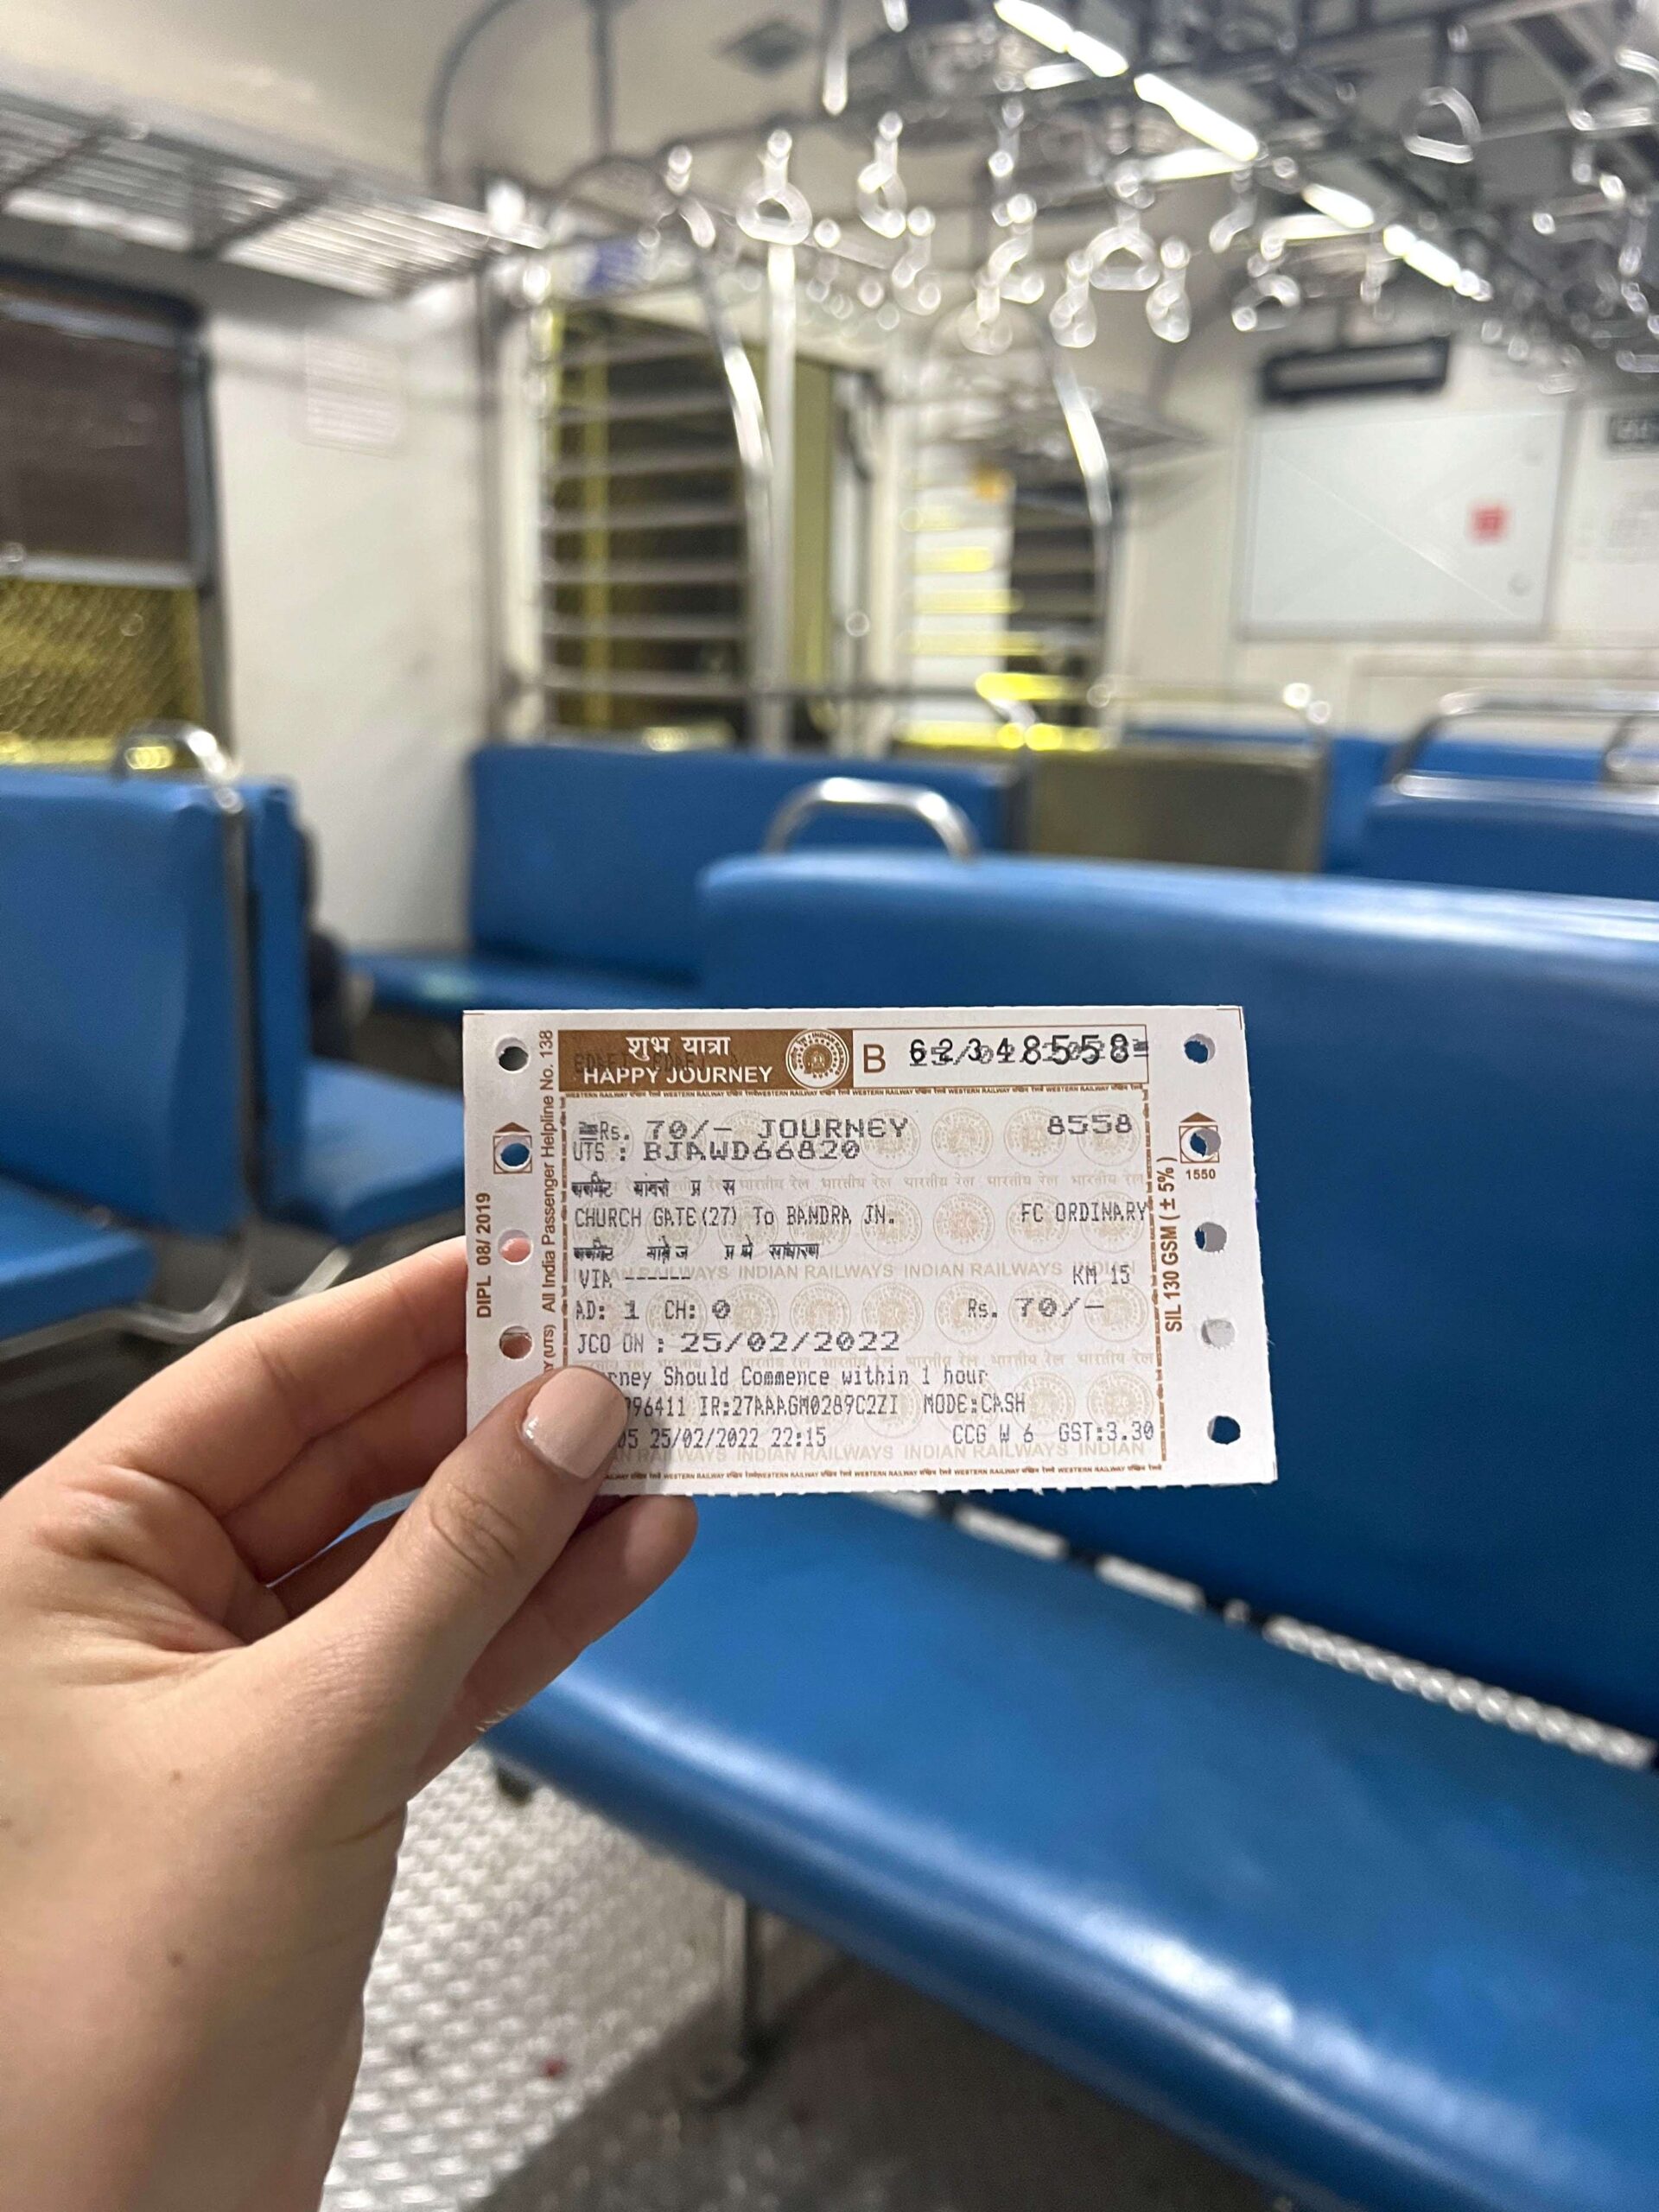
541, 2001
879, 2102
531, 1955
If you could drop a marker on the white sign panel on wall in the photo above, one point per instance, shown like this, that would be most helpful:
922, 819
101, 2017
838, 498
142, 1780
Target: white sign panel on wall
1400, 520
1610, 579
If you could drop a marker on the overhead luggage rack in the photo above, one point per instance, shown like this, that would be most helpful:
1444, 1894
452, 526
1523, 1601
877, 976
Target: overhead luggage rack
180, 192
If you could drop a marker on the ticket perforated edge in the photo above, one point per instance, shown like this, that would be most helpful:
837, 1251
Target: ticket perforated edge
877, 1248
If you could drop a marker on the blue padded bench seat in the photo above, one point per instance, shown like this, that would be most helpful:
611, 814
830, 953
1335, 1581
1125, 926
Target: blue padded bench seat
121, 1070
1377, 1953
379, 1153
1357, 763
1382, 1955
120, 1063
586, 858
1360, 764
447, 984
1598, 842
56, 1265
344, 1150
1433, 1072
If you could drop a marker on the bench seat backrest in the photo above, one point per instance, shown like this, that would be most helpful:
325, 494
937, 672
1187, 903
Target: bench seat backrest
1454, 1105
121, 1014
281, 994
591, 853
1593, 841
1356, 763
1359, 765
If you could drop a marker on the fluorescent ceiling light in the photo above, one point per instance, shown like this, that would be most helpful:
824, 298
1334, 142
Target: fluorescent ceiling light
1200, 120
1434, 262
1099, 58
1050, 28
1422, 254
1186, 162
1037, 22
1049, 73
1345, 208
1291, 230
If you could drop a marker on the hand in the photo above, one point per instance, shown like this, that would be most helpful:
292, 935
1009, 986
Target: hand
211, 1724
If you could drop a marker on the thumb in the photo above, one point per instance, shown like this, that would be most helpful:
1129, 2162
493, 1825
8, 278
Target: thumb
478, 1538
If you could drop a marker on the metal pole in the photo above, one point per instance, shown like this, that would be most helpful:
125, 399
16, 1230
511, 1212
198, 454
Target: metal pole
741, 1936
832, 42
772, 714
1094, 465
603, 64
732, 2066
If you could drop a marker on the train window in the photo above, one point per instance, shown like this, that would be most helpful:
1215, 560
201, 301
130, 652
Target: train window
106, 566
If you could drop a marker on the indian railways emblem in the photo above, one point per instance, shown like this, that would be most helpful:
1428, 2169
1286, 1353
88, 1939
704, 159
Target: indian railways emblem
816, 1060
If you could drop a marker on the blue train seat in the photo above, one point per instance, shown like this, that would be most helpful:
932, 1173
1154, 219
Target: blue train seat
1359, 763
56, 1265
1375, 1952
344, 1151
121, 1084
1595, 841
586, 860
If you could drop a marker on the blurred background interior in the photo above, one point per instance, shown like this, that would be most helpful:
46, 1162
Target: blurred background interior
611, 503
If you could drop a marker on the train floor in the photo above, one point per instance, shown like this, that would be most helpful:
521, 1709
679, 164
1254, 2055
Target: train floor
543, 2004
545, 2000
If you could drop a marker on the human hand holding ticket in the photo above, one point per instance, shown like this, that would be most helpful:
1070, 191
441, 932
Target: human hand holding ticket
922, 1248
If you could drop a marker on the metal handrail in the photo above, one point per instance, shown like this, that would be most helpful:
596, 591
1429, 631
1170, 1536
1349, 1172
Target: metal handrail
1298, 700
1094, 468
1295, 699
162, 1325
862, 795
1621, 763
1599, 704
209, 759
167, 1326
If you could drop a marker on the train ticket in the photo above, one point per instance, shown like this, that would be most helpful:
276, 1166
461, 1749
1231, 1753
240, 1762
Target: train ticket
923, 1247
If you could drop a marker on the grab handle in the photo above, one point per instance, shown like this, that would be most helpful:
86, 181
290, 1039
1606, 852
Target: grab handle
1630, 707
862, 795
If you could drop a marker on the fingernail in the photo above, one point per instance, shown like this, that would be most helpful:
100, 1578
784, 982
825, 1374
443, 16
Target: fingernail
574, 1422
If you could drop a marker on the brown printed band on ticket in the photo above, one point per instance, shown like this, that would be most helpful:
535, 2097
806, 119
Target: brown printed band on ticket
707, 1060
904, 1249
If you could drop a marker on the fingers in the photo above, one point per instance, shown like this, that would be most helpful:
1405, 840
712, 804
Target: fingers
320, 1577
227, 1419
608, 1569
390, 1448
490, 1522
